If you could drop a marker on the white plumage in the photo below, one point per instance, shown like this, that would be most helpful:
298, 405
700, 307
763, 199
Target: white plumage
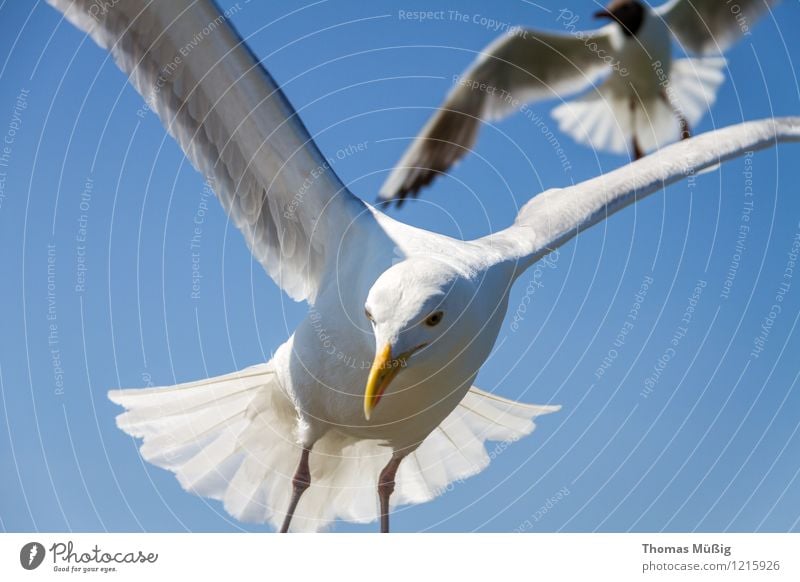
433, 304
603, 120
231, 438
638, 98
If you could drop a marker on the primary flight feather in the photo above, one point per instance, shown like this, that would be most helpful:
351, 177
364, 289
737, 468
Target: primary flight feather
373, 392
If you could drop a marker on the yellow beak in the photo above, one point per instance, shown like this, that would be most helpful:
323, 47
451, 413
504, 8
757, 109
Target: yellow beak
383, 371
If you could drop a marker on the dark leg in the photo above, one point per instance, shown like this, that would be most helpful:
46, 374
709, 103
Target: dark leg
686, 131
300, 482
386, 488
637, 150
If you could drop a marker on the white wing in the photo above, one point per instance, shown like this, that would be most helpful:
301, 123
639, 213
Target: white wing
711, 26
517, 68
236, 127
555, 216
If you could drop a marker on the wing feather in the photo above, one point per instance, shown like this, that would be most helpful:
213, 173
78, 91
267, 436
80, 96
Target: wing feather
553, 217
235, 126
519, 67
711, 26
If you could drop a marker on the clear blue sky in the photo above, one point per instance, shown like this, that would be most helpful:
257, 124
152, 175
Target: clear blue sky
713, 445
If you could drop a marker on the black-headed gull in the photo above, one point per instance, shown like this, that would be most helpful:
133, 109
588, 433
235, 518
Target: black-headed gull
641, 96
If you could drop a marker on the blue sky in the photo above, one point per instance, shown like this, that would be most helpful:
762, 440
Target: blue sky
683, 429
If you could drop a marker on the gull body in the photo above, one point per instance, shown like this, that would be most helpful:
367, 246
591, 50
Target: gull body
636, 52
636, 97
373, 392
426, 391
433, 267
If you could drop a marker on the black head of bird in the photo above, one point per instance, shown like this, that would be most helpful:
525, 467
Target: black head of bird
629, 14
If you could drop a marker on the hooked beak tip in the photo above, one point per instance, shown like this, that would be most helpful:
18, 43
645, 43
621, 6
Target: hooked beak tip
384, 369
380, 375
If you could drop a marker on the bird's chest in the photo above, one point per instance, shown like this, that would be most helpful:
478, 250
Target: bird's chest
328, 361
644, 55
328, 369
331, 356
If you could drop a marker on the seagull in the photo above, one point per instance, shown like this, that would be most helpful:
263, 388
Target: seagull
639, 95
370, 403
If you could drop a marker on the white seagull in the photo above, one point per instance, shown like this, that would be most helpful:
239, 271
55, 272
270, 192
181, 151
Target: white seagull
373, 391
640, 95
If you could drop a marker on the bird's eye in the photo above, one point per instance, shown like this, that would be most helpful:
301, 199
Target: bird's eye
369, 315
434, 318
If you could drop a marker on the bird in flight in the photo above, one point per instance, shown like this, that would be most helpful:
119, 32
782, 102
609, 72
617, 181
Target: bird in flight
373, 393
639, 95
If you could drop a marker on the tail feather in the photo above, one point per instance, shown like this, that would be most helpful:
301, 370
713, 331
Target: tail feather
232, 438
153, 411
456, 449
499, 418
603, 119
263, 484
695, 83
245, 495
202, 473
598, 119
181, 434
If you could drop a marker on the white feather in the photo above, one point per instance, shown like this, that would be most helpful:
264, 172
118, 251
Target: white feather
235, 126
603, 119
711, 26
239, 430
554, 217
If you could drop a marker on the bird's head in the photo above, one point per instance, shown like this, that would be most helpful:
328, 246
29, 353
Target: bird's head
419, 312
629, 14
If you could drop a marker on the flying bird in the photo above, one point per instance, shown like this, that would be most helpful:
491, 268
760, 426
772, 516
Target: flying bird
370, 403
640, 96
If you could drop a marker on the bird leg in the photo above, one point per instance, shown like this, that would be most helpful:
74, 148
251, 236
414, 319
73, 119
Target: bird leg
686, 133
637, 150
300, 482
386, 488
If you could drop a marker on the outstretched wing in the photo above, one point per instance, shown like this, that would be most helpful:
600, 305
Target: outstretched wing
711, 26
553, 217
517, 68
235, 126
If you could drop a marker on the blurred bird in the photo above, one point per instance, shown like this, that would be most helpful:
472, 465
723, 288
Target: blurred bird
640, 95
373, 392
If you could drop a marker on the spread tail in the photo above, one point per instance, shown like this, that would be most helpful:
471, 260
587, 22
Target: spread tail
608, 119
232, 438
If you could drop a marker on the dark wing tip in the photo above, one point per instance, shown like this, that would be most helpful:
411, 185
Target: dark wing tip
422, 178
